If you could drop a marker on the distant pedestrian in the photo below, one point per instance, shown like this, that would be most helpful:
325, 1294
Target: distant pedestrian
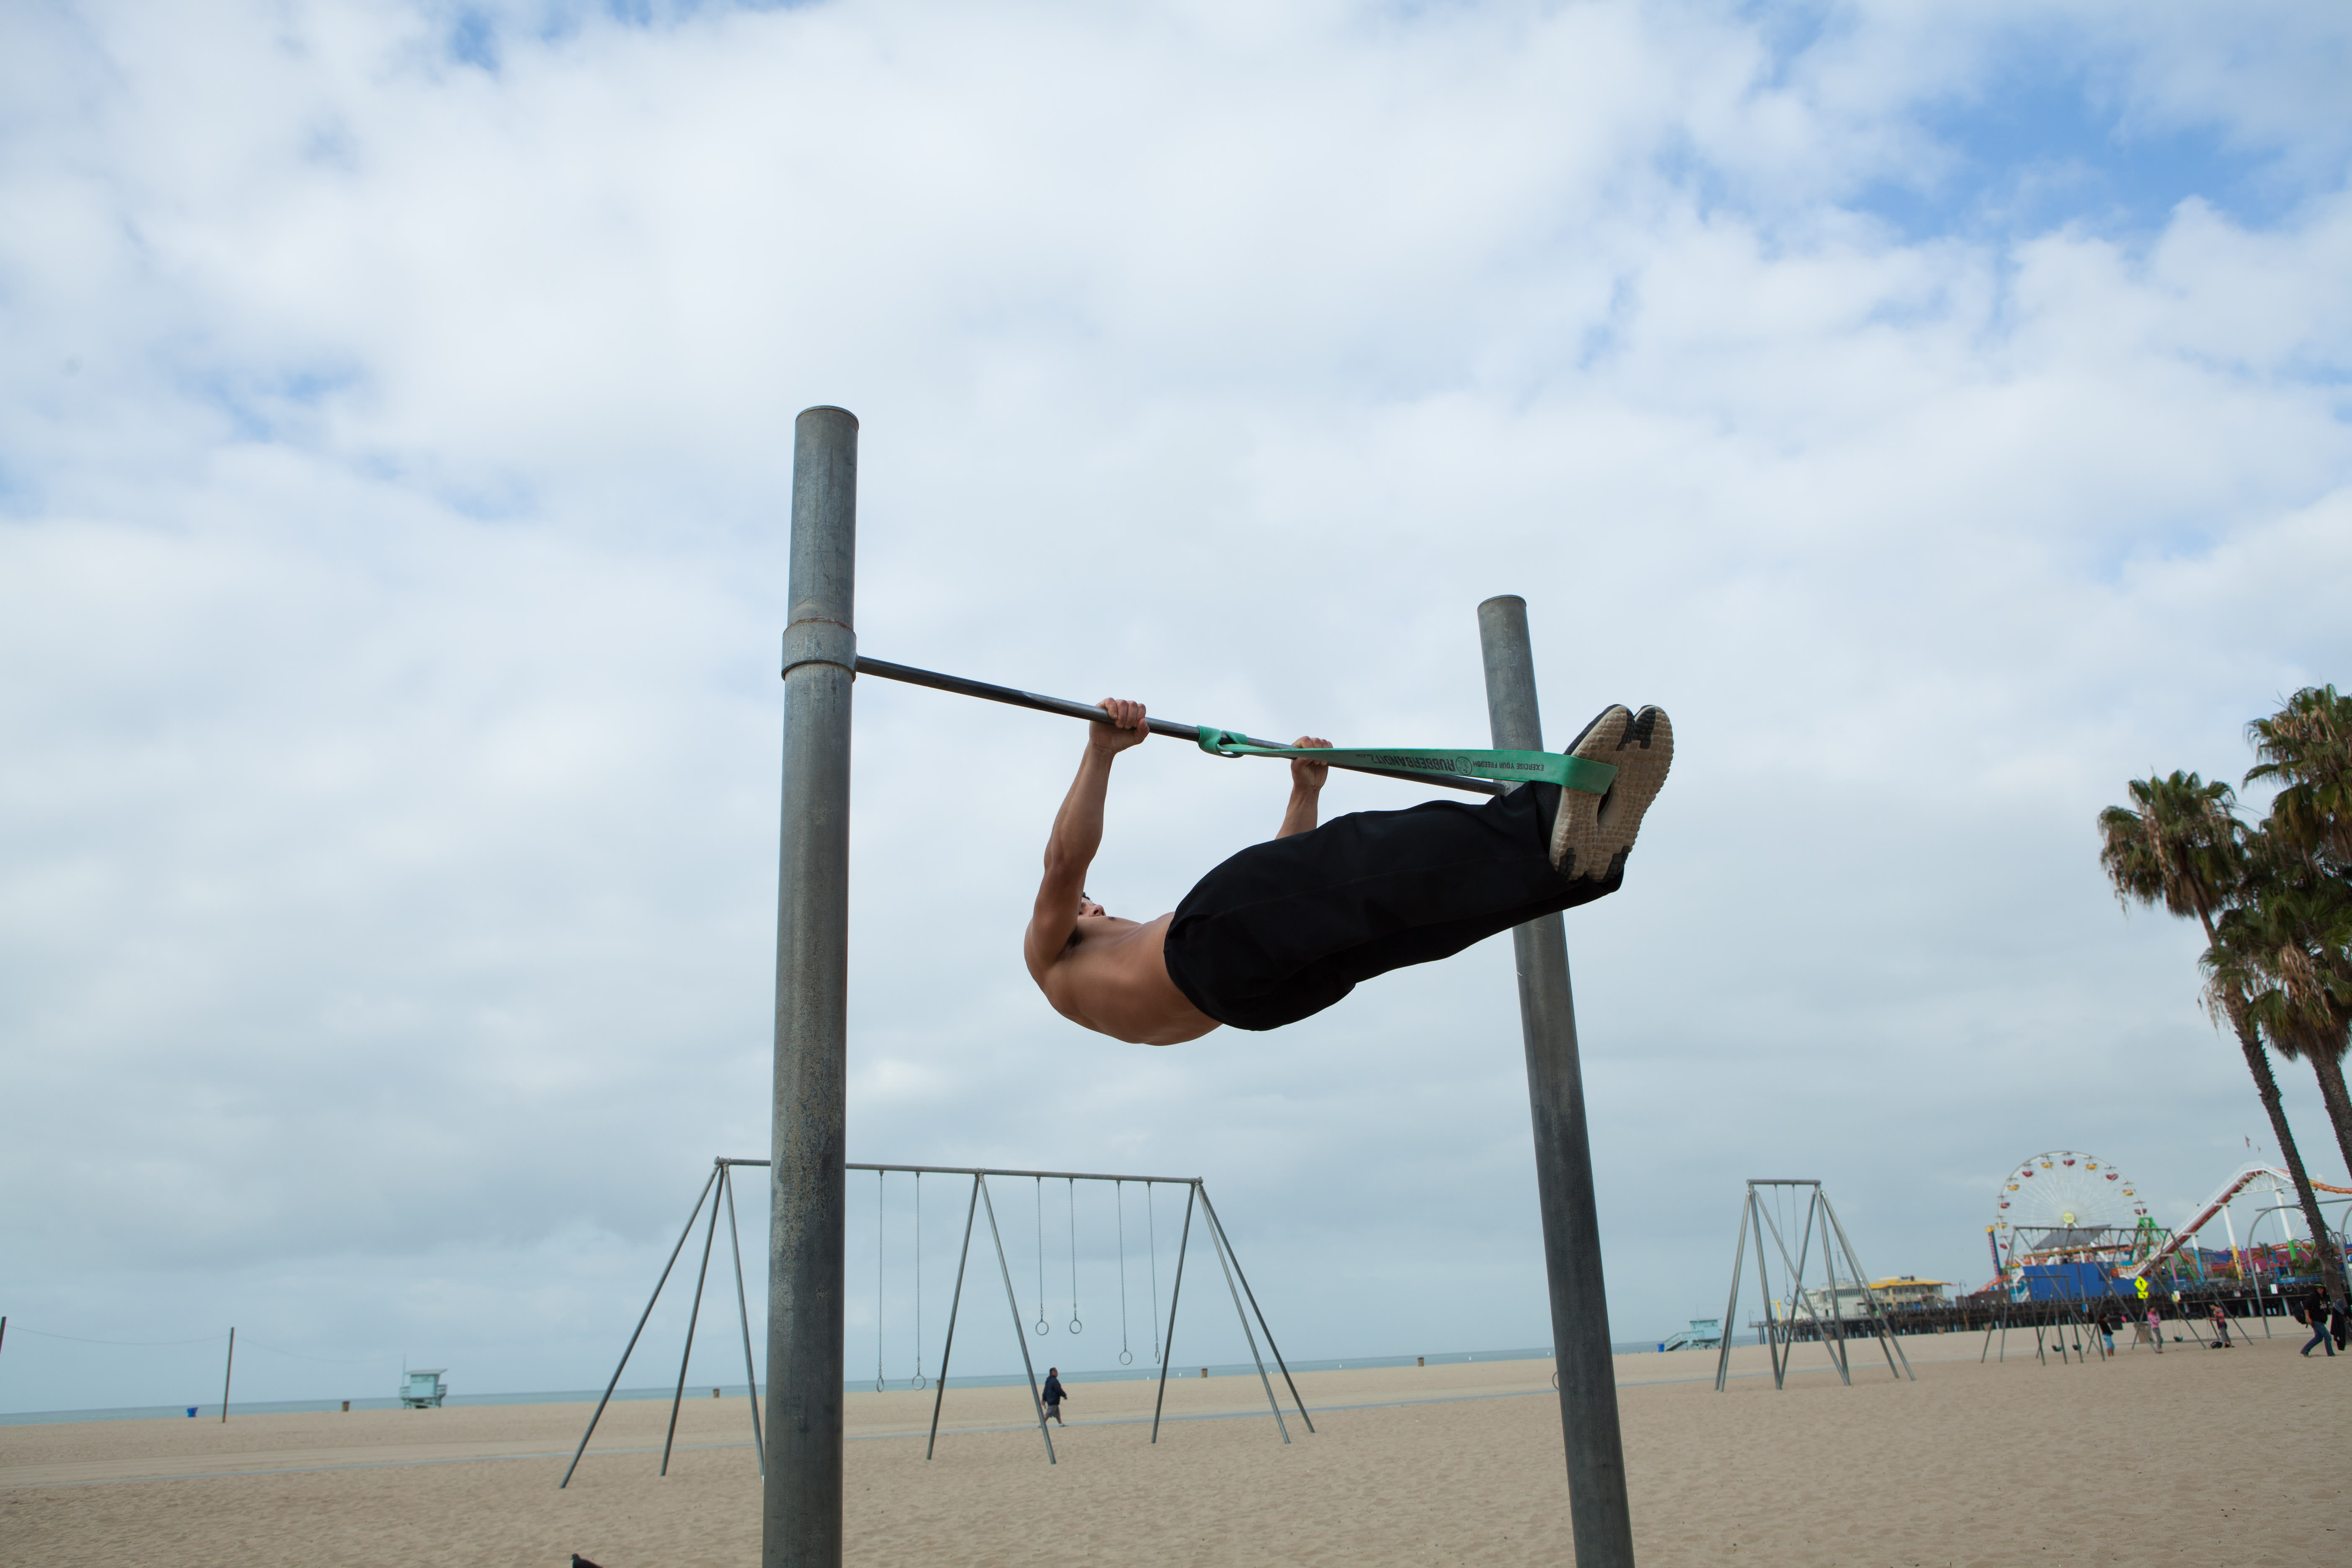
2108, 1329
2313, 1312
2155, 1330
2220, 1327
1056, 1393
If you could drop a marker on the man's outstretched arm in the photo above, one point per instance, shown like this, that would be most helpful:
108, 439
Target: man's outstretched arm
1077, 834
1305, 789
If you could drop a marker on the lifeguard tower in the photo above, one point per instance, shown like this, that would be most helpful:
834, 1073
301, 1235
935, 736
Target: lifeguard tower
425, 1389
1703, 1334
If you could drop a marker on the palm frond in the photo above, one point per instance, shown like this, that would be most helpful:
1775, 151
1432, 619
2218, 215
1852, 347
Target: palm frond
2179, 844
2306, 749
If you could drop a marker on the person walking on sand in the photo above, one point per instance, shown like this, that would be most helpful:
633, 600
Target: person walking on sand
2156, 1329
1287, 927
1054, 1395
2220, 1327
2312, 1311
2108, 1329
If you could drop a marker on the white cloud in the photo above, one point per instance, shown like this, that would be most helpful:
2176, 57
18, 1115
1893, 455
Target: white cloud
394, 463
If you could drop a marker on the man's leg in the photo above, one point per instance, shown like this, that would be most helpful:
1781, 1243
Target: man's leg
1285, 928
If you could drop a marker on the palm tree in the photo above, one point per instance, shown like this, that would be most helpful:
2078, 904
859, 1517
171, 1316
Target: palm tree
2287, 948
2306, 748
2184, 847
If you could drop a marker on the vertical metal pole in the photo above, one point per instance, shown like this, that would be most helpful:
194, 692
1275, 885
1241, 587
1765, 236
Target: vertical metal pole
743, 1311
1020, 1329
1804, 1256
1175, 1294
1819, 1204
1731, 1308
1595, 1447
226, 1371
1880, 1320
2007, 1302
1764, 1283
1217, 1241
1210, 1210
799, 1524
630, 1349
693, 1317
954, 1305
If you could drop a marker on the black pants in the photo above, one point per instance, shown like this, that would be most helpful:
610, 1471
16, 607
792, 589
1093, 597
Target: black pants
1285, 928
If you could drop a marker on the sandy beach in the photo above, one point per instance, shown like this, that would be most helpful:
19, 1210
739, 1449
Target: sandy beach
2193, 1457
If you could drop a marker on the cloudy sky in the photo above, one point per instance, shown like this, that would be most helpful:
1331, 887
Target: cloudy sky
1939, 407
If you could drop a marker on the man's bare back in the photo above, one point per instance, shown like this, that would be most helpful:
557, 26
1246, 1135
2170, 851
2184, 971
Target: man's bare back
1111, 978
1098, 970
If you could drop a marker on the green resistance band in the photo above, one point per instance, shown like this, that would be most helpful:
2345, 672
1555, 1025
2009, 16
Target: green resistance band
1508, 767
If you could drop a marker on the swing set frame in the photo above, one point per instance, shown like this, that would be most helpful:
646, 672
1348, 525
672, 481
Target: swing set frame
1821, 1236
719, 1192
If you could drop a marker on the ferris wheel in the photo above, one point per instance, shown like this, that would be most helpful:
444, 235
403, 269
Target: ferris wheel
2062, 1198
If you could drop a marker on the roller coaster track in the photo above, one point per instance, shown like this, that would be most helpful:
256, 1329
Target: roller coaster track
2246, 1176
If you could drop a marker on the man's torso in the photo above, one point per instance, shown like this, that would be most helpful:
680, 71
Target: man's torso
1112, 978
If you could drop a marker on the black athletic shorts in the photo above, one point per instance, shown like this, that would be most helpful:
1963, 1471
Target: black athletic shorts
1285, 928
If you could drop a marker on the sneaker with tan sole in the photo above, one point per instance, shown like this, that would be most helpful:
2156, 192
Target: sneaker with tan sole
1593, 832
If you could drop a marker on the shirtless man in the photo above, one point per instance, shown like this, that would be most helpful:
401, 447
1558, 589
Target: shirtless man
1285, 928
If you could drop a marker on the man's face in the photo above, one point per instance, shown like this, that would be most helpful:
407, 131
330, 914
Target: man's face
1086, 907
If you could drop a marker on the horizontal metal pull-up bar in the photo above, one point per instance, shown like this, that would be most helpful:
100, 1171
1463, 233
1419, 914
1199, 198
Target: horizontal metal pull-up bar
1088, 711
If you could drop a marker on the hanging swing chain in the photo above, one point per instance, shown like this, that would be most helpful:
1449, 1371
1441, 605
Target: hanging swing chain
1076, 1327
1119, 1198
1042, 1326
918, 1280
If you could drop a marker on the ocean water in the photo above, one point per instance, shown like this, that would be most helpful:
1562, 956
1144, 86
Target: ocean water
737, 1391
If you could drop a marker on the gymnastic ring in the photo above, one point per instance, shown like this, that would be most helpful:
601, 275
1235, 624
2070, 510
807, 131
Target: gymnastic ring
1077, 1327
1555, 1380
1126, 1358
1043, 1327
921, 1383
878, 1385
